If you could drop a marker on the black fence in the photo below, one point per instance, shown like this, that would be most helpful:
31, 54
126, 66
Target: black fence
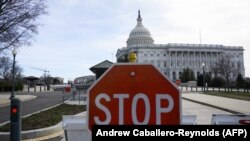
219, 89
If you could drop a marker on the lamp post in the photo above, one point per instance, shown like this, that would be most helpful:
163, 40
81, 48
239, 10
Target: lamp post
203, 67
13, 74
15, 108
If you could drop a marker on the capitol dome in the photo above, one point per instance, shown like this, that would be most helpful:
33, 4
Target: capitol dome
139, 35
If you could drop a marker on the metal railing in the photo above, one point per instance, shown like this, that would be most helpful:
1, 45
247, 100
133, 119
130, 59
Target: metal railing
219, 89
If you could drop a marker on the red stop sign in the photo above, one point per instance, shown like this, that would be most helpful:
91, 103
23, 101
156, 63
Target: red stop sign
133, 94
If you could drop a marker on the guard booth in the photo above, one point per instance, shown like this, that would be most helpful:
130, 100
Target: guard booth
100, 68
32, 81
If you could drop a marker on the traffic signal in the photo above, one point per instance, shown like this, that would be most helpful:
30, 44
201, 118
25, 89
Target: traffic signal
15, 120
14, 112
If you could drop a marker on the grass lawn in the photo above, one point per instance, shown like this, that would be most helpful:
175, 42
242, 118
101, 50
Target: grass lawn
235, 95
47, 118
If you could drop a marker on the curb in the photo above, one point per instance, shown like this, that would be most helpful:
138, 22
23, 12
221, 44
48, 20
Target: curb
1, 124
41, 110
213, 106
37, 133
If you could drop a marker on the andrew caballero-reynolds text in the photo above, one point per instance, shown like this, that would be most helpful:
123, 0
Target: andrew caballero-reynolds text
158, 132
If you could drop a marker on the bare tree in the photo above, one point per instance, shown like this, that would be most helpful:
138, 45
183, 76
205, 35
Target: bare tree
227, 68
18, 21
18, 71
6, 69
46, 78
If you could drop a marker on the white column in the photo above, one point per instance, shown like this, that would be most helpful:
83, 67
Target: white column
171, 74
195, 73
170, 59
175, 61
200, 60
181, 62
177, 74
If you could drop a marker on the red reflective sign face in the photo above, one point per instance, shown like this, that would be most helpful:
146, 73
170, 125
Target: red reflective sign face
67, 89
133, 94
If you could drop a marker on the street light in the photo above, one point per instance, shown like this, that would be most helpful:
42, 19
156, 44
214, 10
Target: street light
15, 108
14, 52
203, 67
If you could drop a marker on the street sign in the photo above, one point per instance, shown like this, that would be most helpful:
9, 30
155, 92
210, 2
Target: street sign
133, 94
67, 89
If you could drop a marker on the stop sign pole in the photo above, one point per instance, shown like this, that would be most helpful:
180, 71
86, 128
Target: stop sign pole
133, 94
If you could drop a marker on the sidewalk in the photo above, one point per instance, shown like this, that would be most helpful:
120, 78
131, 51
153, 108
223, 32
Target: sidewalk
234, 105
4, 98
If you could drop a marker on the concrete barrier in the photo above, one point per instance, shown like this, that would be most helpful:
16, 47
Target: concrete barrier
238, 119
189, 120
37, 133
75, 128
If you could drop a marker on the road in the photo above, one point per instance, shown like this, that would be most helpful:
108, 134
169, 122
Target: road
43, 100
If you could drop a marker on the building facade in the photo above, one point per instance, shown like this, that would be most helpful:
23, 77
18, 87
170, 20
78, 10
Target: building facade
172, 58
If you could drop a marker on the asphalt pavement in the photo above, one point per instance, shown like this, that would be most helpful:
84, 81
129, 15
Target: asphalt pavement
42, 101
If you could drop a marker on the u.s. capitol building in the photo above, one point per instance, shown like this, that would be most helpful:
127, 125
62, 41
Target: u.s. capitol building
172, 58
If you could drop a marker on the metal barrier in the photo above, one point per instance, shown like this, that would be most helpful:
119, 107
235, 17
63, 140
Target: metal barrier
238, 119
75, 127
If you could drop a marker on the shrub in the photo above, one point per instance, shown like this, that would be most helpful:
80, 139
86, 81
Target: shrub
218, 82
247, 85
6, 86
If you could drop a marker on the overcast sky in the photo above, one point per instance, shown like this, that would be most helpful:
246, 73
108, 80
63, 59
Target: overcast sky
77, 34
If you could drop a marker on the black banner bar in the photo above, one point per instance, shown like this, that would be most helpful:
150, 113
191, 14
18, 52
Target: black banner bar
173, 132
